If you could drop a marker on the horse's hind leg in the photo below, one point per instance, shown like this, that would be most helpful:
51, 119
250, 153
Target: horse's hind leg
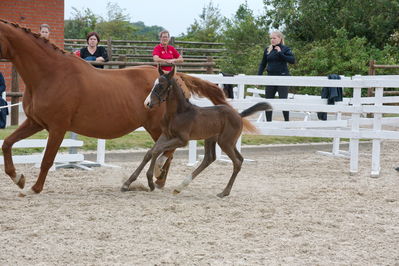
237, 160
26, 129
209, 157
137, 172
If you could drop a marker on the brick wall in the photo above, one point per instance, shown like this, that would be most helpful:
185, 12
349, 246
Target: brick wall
31, 14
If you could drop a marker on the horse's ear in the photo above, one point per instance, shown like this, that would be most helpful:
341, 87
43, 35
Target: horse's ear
160, 70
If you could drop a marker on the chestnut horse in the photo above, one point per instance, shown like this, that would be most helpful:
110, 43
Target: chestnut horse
183, 121
65, 93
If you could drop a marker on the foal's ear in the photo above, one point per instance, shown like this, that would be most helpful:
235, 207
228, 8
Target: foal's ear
160, 70
172, 72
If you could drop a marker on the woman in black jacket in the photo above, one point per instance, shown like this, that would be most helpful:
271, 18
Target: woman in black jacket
275, 59
93, 52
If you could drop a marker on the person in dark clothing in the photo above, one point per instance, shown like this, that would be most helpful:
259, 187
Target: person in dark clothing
3, 111
332, 94
228, 88
93, 52
275, 59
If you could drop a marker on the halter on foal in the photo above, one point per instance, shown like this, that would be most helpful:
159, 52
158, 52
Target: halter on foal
184, 121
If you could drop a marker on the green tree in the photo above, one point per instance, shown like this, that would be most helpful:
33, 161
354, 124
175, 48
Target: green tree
147, 32
82, 23
116, 25
208, 27
245, 37
314, 20
339, 54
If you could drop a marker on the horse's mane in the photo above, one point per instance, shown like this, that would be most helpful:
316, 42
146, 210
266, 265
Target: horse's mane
211, 91
34, 34
204, 88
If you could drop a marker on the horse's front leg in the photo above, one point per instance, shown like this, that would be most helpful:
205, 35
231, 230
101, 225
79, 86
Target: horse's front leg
163, 144
53, 144
136, 173
26, 129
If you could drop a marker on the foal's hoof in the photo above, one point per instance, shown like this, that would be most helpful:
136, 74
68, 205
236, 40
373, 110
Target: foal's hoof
160, 183
175, 192
221, 195
124, 188
397, 169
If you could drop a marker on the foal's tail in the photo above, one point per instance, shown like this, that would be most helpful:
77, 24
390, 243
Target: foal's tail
262, 106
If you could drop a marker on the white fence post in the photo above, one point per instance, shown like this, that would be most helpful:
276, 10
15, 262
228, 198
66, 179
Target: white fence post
101, 151
354, 141
376, 149
241, 88
192, 152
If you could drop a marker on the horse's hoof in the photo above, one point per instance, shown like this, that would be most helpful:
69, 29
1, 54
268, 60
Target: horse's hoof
397, 169
25, 193
21, 182
124, 188
175, 192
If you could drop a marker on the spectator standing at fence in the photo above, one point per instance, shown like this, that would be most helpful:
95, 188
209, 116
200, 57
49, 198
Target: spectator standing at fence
275, 59
93, 52
45, 31
165, 53
3, 110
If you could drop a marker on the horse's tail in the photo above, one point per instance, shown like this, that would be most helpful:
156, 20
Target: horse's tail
262, 106
204, 88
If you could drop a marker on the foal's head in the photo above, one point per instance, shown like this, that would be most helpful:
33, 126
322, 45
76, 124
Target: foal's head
160, 90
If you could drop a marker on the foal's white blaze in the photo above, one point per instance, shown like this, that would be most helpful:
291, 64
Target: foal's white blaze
148, 99
184, 184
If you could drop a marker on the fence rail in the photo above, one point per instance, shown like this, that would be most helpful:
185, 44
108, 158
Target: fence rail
137, 52
354, 126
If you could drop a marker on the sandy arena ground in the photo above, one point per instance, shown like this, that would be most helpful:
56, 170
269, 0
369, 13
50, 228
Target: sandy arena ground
290, 208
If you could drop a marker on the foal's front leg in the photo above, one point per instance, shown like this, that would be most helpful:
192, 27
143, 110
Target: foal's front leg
163, 144
136, 173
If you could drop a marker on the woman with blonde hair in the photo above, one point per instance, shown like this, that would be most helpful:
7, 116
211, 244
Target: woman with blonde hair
275, 59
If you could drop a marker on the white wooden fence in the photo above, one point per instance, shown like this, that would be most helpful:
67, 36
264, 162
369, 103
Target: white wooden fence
356, 126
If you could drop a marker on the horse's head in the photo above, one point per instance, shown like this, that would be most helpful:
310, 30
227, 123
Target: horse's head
159, 92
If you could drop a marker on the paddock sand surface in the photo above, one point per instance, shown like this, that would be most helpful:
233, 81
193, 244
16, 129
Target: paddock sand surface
287, 208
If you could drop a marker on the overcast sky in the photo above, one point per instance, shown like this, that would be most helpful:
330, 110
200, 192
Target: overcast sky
174, 15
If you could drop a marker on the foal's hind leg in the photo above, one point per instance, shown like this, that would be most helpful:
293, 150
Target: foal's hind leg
26, 129
136, 173
237, 160
209, 157
161, 177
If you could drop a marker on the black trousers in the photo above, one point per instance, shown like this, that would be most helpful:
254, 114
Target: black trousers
282, 94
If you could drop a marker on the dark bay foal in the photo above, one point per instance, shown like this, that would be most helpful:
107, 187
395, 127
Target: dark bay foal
184, 121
